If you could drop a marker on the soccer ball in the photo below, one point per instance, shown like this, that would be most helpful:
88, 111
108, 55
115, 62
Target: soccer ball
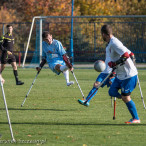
99, 66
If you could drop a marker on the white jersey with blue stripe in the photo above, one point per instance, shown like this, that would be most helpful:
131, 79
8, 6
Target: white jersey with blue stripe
115, 50
107, 60
52, 52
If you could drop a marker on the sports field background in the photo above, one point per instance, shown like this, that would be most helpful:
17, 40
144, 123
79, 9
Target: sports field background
52, 115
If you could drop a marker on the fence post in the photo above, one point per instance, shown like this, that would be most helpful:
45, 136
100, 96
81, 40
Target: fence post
3, 29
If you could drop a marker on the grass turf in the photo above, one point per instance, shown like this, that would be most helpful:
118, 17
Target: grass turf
51, 114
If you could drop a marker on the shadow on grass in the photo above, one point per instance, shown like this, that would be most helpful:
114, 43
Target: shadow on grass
71, 124
38, 109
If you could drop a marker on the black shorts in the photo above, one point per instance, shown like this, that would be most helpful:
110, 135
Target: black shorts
7, 58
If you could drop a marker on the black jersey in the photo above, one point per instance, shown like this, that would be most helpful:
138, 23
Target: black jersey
7, 43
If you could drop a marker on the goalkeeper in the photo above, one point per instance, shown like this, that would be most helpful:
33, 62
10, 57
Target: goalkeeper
54, 54
126, 71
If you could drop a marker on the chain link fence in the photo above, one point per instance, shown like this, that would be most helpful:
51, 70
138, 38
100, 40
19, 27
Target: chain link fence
88, 45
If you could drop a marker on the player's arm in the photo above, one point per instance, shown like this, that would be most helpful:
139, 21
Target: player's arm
132, 56
67, 61
43, 59
41, 64
122, 59
64, 55
120, 49
2, 47
1, 44
5, 50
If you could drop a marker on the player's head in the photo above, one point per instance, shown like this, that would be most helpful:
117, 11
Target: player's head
106, 32
47, 37
9, 28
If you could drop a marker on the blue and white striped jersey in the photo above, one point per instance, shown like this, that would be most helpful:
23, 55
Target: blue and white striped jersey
53, 52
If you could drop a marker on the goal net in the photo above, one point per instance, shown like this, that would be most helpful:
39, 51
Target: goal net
88, 45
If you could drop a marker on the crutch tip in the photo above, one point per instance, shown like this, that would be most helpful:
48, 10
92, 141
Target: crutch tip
114, 118
13, 140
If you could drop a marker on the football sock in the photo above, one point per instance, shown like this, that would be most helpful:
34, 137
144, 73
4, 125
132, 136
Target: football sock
132, 109
16, 75
66, 75
63, 68
91, 94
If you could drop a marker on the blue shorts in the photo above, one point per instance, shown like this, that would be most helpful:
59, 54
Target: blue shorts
126, 86
52, 65
102, 76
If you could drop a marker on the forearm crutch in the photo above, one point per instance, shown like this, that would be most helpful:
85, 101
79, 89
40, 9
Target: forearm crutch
140, 91
114, 116
102, 82
133, 59
78, 84
111, 101
11, 131
30, 88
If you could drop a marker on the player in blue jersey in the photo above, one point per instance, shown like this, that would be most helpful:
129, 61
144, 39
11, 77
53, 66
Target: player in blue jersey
54, 54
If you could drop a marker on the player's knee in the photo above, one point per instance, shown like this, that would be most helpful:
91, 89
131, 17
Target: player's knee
96, 84
126, 98
14, 67
57, 67
112, 93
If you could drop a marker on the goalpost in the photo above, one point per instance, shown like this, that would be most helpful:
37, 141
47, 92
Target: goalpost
82, 47
40, 35
30, 33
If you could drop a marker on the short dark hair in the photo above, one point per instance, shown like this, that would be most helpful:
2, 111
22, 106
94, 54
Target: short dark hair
45, 34
9, 25
106, 29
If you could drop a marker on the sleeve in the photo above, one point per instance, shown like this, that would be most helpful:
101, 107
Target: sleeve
67, 61
132, 56
1, 44
60, 49
119, 48
1, 39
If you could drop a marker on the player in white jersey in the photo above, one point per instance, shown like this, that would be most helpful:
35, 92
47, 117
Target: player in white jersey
99, 79
54, 54
126, 71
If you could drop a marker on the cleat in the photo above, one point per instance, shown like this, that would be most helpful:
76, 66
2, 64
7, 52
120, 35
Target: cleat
70, 83
83, 102
19, 83
132, 121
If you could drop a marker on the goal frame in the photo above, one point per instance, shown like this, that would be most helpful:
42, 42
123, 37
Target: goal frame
71, 17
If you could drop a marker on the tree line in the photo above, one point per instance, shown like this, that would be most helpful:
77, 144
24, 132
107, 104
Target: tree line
25, 10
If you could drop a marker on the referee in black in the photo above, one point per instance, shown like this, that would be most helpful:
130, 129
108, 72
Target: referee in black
6, 45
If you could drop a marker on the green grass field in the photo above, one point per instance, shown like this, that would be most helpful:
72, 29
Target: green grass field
52, 115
